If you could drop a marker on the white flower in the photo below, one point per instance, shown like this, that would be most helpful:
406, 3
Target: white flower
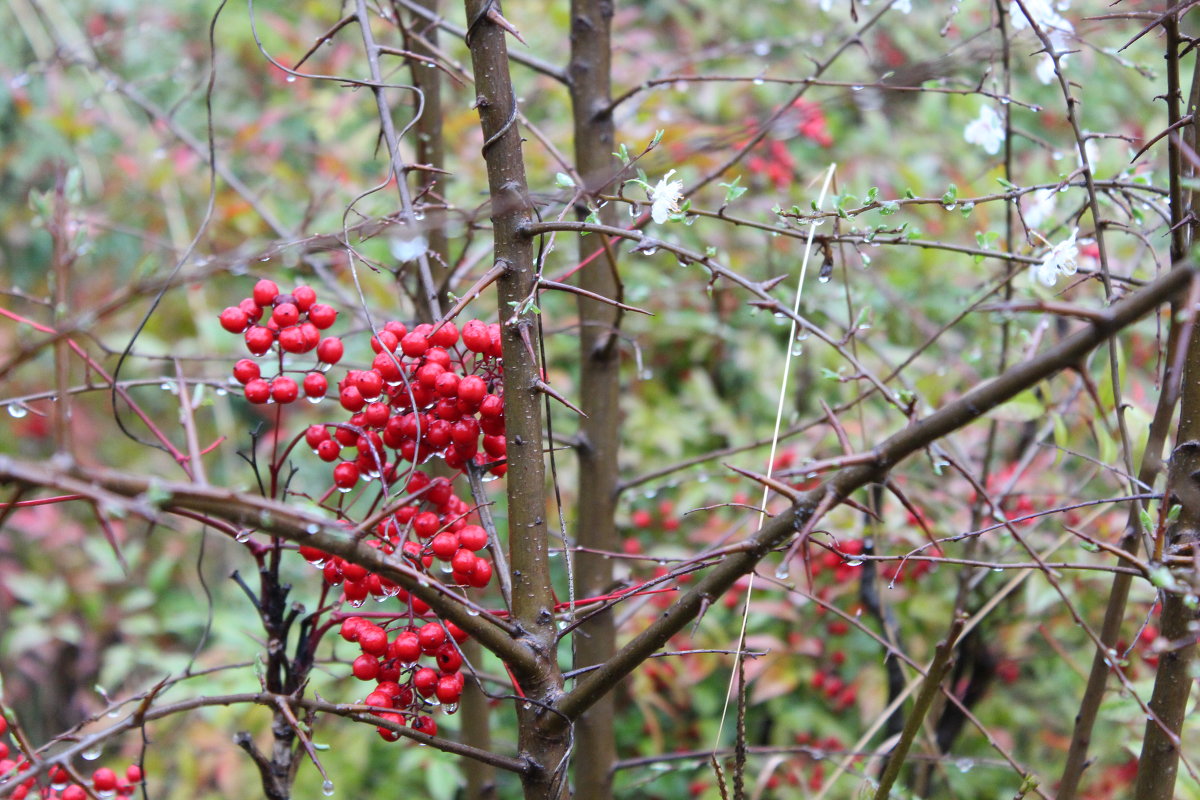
903, 6
1056, 27
1042, 208
987, 131
1060, 259
665, 197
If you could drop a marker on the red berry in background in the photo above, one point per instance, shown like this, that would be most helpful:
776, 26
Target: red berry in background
431, 636
354, 572
284, 390
330, 350
246, 370
475, 336
425, 725
104, 780
258, 391
259, 339
72, 792
133, 773
315, 385
425, 681
234, 320
406, 647
372, 639
839, 627
322, 316
345, 475
265, 292
304, 296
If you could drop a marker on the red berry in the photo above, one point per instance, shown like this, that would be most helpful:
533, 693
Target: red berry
491, 407
456, 633
284, 390
406, 648
315, 434
285, 315
330, 350
482, 574
448, 690
444, 545
265, 291
384, 340
246, 370
387, 734
351, 399
365, 667
472, 389
133, 773
291, 340
305, 296
387, 366
322, 316
354, 572
351, 627
234, 320
258, 391
431, 636
426, 524
315, 384
425, 725
345, 475
445, 336
463, 561
104, 780
372, 639
329, 451
448, 658
414, 344
425, 681
475, 336
370, 383
497, 447
473, 537
72, 792
259, 339
377, 698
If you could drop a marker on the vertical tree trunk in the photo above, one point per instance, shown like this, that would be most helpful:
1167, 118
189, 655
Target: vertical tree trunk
599, 360
529, 562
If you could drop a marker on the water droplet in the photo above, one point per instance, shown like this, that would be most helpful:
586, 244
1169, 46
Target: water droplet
327, 788
854, 562
450, 708
951, 206
1003, 101
291, 78
357, 603
344, 489
1057, 156
649, 251
762, 48
782, 572
107, 794
16, 410
856, 88
221, 391
964, 764
823, 278
242, 536
472, 612
91, 755
312, 527
314, 400
758, 81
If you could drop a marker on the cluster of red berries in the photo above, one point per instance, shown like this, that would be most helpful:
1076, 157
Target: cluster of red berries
105, 782
293, 325
429, 392
404, 688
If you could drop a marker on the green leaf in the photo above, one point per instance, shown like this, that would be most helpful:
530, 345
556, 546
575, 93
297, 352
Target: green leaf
564, 180
950, 196
732, 190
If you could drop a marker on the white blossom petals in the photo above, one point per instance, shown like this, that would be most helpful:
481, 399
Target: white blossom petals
987, 131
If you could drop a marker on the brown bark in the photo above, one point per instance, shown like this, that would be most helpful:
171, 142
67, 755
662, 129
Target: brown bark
599, 360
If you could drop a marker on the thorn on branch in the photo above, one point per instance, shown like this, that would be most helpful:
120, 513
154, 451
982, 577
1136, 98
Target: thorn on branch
493, 14
545, 388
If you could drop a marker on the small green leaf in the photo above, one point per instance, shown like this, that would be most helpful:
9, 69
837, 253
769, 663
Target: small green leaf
732, 190
872, 194
564, 180
950, 196
658, 135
